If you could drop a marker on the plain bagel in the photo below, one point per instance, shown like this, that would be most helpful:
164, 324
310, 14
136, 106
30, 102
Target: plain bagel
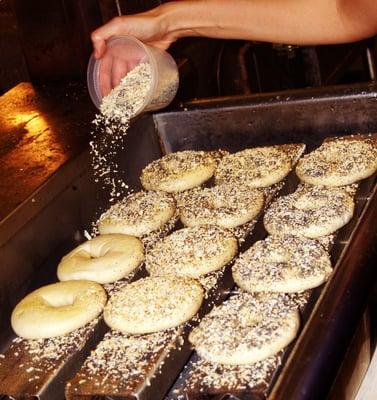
58, 309
103, 259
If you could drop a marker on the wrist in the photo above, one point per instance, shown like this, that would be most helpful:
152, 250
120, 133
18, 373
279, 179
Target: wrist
183, 18
211, 18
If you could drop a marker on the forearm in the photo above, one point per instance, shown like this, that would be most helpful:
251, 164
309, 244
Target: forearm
283, 21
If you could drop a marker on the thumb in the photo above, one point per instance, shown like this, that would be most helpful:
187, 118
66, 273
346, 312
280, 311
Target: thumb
101, 34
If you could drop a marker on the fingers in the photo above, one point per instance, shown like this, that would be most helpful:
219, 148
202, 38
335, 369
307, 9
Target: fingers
99, 45
144, 26
105, 75
119, 70
104, 32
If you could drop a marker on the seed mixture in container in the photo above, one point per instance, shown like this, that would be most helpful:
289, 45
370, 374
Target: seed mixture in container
110, 126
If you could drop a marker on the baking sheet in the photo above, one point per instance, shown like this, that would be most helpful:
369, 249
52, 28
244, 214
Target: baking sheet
230, 124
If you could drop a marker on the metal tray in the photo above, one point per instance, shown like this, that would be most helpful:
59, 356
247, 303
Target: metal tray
53, 219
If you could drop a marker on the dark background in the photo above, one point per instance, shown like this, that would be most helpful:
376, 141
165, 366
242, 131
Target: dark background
43, 41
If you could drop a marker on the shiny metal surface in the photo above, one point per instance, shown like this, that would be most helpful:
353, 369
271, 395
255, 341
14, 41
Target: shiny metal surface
40, 129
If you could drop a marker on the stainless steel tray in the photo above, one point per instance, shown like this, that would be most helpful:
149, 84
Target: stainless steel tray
53, 220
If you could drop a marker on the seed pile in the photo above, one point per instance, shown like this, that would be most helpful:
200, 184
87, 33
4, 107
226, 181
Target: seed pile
112, 288
43, 356
122, 362
205, 377
154, 237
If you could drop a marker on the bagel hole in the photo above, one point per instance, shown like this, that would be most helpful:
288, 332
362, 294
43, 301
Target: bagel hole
60, 301
99, 253
248, 319
278, 257
307, 203
95, 252
219, 203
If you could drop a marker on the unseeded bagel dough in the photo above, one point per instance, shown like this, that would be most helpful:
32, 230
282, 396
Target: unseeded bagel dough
58, 309
103, 259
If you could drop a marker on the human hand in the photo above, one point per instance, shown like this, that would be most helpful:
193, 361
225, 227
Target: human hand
147, 27
120, 57
117, 59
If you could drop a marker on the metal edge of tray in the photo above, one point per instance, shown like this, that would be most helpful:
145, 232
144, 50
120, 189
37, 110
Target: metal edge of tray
256, 120
323, 93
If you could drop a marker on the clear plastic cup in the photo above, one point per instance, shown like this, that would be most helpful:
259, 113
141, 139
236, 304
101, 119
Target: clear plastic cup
123, 53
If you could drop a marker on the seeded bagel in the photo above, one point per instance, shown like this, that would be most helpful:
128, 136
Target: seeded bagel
192, 252
138, 214
256, 167
283, 263
338, 162
311, 211
153, 304
178, 171
223, 205
246, 328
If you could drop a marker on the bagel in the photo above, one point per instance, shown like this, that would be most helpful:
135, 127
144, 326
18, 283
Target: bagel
224, 205
178, 171
282, 264
103, 259
57, 309
138, 214
246, 328
310, 211
192, 252
153, 304
257, 167
338, 162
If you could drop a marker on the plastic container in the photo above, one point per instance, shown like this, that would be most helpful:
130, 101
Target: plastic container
124, 53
